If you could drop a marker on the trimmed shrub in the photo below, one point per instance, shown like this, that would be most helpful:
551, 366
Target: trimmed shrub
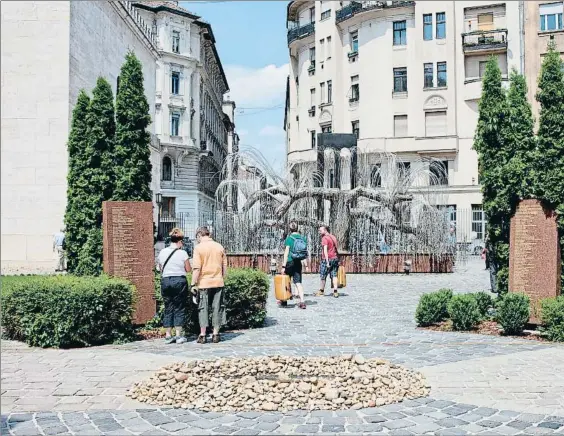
67, 311
463, 311
513, 313
433, 307
552, 316
484, 302
246, 292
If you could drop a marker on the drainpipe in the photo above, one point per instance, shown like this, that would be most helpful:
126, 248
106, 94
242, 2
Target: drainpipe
522, 36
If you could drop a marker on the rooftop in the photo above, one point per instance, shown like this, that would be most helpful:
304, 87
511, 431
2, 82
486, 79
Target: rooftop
169, 6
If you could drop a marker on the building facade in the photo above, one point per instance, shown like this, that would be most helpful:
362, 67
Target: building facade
404, 77
51, 50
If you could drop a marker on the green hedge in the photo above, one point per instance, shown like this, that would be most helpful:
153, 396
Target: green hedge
433, 307
66, 311
246, 292
513, 313
484, 302
464, 312
552, 316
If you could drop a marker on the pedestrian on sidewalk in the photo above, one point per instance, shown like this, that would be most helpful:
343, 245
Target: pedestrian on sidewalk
329, 264
58, 247
488, 255
174, 264
208, 281
295, 259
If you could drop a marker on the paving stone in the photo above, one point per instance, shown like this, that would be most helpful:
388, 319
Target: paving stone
451, 432
454, 411
364, 428
244, 423
203, 424
451, 422
20, 417
174, 426
489, 423
55, 430
425, 428
187, 418
551, 425
334, 420
530, 417
393, 415
323, 413
225, 430
332, 428
247, 432
399, 423
374, 419
268, 418
520, 425
309, 428
484, 411
267, 426
440, 404
313, 421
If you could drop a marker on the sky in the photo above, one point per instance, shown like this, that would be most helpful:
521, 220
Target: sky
251, 42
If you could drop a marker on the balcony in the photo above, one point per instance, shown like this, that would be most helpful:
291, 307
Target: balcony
484, 41
357, 7
300, 32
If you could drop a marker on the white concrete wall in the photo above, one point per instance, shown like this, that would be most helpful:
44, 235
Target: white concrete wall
35, 122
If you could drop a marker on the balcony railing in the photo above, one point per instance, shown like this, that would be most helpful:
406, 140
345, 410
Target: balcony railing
354, 8
484, 40
300, 32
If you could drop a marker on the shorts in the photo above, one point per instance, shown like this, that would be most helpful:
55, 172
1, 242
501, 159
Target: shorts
294, 270
329, 270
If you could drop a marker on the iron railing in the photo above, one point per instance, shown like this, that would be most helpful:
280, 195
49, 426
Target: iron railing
354, 8
300, 32
481, 40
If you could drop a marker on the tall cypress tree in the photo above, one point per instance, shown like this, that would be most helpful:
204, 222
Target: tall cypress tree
549, 161
75, 235
493, 158
98, 175
132, 154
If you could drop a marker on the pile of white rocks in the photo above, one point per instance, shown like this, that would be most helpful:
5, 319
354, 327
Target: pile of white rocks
281, 384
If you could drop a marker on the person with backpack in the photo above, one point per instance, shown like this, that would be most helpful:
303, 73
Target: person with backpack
173, 265
295, 257
329, 264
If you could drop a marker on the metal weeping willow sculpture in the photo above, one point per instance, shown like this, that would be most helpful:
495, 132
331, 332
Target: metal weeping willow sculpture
379, 205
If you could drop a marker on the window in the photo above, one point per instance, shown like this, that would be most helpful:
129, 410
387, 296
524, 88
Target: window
328, 47
167, 206
354, 42
449, 211
312, 55
321, 48
332, 178
322, 87
325, 14
355, 90
427, 27
329, 91
326, 129
376, 176
175, 41
175, 83
400, 32
312, 97
400, 126
441, 74
313, 139
478, 221
482, 68
400, 79
435, 123
441, 25
403, 169
485, 21
167, 169
312, 15
174, 124
428, 75
356, 128
438, 173
551, 16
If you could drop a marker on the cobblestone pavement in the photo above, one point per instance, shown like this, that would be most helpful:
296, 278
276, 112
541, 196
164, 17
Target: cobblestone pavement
480, 384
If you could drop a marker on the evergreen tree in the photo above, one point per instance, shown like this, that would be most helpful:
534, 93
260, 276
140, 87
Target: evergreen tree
132, 154
549, 159
98, 176
493, 158
75, 235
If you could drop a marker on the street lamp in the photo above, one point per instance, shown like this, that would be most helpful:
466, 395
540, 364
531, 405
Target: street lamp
159, 201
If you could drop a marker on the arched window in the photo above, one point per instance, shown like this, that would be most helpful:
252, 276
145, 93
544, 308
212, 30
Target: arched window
167, 169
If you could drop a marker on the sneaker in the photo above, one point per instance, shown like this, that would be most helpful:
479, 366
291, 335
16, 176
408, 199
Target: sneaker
336, 294
181, 340
201, 339
170, 340
216, 339
301, 306
319, 293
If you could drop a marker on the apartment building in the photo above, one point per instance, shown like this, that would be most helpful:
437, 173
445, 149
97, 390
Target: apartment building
401, 77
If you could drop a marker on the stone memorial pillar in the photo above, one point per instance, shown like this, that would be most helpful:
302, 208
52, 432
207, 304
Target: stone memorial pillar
534, 254
129, 252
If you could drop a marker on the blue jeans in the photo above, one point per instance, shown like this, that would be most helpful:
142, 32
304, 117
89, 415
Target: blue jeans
174, 291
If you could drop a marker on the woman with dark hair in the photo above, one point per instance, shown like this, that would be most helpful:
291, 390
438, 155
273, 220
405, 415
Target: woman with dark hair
174, 264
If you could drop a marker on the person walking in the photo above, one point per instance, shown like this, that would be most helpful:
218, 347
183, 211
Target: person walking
58, 247
174, 264
208, 281
487, 253
329, 265
295, 258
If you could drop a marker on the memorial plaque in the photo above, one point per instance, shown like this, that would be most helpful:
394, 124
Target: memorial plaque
534, 254
129, 250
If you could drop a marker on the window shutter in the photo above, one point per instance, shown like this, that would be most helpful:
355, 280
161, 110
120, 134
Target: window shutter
400, 125
485, 21
435, 123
